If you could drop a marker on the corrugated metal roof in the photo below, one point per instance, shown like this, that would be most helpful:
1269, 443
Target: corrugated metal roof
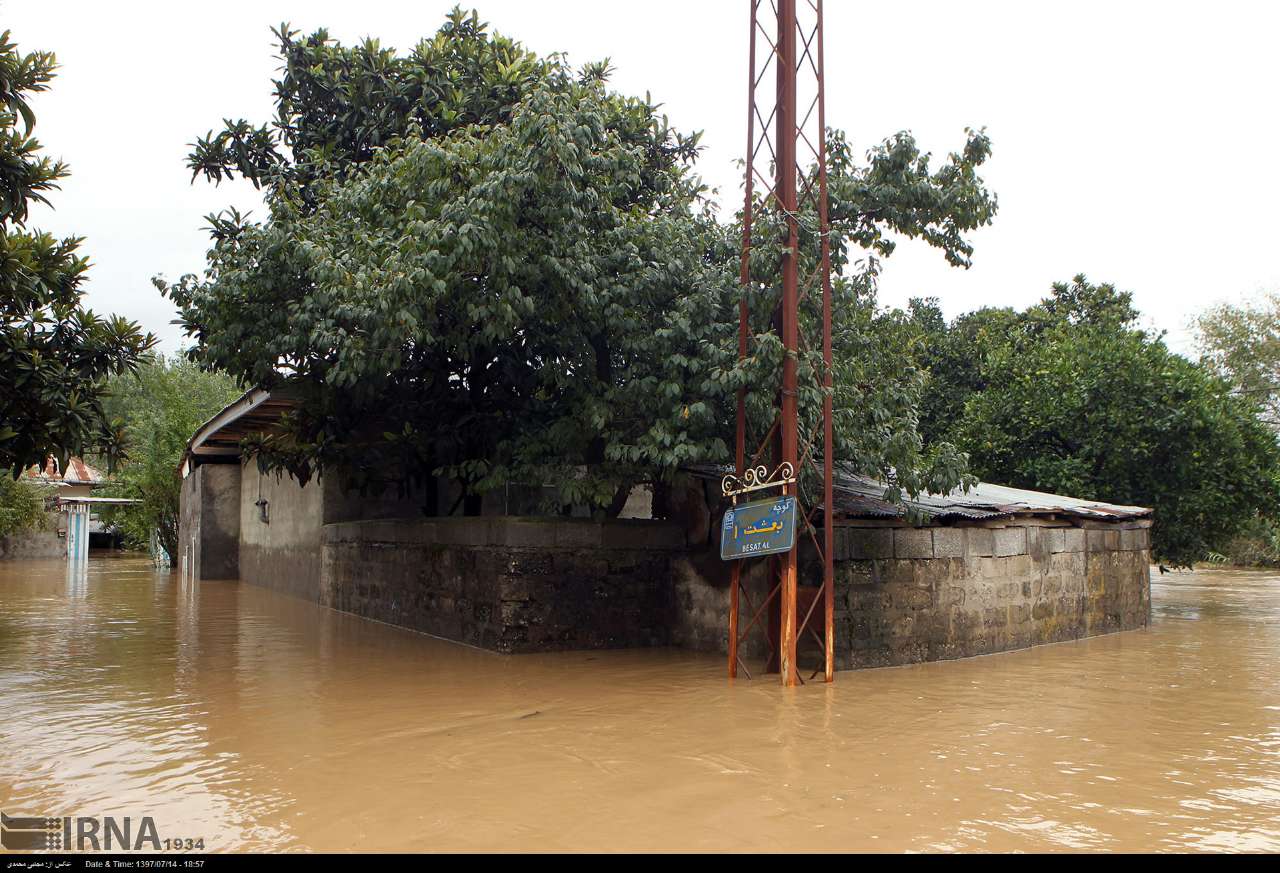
77, 473
110, 501
863, 497
984, 500
80, 473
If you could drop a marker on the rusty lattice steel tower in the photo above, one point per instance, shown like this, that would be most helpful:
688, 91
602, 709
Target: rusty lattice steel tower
787, 129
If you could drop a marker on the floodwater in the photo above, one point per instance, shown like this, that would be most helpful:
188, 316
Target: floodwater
260, 722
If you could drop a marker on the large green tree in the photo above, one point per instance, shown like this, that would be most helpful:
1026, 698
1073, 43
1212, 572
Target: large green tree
1071, 396
490, 264
55, 355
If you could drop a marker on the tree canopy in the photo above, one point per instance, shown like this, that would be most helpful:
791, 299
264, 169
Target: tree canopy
55, 355
1070, 396
1242, 344
490, 264
336, 105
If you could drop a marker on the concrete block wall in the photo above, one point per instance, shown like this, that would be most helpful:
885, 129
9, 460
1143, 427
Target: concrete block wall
284, 552
907, 594
920, 594
700, 588
508, 584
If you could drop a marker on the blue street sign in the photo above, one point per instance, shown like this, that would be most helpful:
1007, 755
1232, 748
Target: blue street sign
762, 527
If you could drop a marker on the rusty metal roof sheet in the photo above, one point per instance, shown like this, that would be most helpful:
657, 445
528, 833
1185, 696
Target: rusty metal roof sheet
80, 473
984, 500
77, 473
862, 497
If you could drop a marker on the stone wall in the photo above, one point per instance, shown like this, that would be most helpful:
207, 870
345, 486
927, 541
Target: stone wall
284, 552
905, 594
922, 594
39, 543
508, 584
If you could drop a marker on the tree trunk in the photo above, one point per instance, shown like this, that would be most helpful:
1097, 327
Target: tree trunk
619, 501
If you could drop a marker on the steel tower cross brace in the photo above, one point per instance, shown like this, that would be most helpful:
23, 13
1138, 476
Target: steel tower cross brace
773, 213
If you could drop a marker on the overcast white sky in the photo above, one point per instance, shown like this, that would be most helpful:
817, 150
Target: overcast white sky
1134, 142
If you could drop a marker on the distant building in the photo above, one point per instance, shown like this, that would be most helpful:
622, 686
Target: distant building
79, 479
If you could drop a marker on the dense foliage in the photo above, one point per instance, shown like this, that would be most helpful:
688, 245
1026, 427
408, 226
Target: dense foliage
484, 263
54, 355
21, 506
1070, 396
1256, 544
1241, 343
157, 409
336, 106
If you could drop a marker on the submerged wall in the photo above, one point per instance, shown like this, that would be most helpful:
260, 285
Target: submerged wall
209, 523
281, 552
284, 551
508, 584
31, 545
954, 592
905, 595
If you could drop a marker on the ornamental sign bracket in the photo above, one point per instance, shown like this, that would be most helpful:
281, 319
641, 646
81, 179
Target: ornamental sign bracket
757, 479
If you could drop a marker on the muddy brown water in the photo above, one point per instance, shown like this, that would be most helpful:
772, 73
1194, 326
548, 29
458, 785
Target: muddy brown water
261, 722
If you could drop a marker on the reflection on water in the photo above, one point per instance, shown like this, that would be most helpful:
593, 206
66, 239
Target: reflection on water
262, 722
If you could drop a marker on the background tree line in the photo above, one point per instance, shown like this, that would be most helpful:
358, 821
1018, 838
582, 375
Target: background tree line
1071, 396
156, 409
486, 264
1241, 343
